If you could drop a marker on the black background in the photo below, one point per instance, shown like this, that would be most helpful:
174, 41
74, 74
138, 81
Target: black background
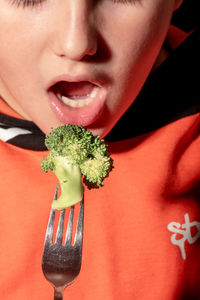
187, 16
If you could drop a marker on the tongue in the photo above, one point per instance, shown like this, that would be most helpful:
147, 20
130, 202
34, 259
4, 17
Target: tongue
74, 89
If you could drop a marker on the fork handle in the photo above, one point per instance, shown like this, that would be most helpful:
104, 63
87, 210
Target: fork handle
58, 294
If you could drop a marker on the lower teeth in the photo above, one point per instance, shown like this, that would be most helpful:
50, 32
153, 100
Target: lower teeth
78, 103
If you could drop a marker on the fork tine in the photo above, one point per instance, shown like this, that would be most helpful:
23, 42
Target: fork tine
59, 234
69, 227
79, 228
49, 232
56, 192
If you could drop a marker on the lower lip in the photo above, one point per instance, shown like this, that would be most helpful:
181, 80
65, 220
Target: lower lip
84, 116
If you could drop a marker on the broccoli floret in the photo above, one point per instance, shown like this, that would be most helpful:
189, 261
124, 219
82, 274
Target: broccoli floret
76, 156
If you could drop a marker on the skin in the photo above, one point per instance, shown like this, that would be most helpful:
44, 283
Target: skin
119, 41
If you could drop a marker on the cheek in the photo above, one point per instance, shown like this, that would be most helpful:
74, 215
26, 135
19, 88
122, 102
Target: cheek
134, 41
135, 28
134, 49
20, 54
23, 33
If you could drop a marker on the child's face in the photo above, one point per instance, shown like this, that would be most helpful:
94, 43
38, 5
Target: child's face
108, 46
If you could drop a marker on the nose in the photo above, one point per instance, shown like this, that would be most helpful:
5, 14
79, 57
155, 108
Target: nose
77, 36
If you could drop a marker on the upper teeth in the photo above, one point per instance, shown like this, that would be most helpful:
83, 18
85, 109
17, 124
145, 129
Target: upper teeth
79, 103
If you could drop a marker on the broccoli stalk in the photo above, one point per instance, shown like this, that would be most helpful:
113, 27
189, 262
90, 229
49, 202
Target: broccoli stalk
76, 156
69, 177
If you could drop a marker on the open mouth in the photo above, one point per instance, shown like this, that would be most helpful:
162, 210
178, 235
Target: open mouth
75, 94
77, 102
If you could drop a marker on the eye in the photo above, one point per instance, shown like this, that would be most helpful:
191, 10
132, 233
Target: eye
25, 3
126, 1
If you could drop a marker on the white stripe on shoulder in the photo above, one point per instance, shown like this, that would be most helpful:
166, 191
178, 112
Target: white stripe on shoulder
7, 134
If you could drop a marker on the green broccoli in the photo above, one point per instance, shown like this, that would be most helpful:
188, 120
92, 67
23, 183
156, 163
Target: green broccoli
75, 153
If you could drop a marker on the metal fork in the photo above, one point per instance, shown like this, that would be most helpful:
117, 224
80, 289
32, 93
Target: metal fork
61, 264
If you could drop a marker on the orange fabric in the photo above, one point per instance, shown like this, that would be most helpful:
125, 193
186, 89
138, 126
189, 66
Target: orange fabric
127, 251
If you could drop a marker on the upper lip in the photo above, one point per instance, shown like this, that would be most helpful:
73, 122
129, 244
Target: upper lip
76, 78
